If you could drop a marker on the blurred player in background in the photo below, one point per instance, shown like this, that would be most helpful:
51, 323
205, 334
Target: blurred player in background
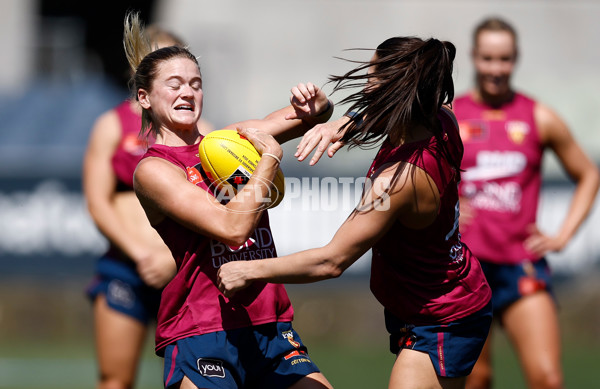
505, 133
208, 340
130, 276
436, 298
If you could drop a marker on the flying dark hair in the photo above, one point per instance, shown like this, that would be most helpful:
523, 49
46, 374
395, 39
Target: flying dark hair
408, 81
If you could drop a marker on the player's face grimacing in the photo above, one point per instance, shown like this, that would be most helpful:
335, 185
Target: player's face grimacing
176, 96
494, 57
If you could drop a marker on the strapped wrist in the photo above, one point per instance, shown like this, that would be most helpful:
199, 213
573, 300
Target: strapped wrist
357, 117
321, 117
326, 110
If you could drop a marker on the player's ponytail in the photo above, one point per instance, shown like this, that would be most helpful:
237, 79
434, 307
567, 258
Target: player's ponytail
135, 41
144, 63
404, 85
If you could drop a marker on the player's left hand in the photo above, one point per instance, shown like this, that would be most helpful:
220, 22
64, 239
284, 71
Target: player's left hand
262, 142
540, 243
232, 277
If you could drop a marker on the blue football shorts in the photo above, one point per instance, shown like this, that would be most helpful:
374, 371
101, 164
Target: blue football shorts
511, 282
124, 290
453, 347
270, 355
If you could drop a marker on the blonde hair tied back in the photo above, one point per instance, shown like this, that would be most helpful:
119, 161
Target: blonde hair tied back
135, 40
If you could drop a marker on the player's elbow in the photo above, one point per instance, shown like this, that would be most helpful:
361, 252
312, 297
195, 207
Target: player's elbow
338, 259
96, 209
334, 270
236, 234
333, 267
236, 239
325, 270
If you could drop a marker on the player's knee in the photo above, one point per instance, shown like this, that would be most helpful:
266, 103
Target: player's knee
106, 382
548, 380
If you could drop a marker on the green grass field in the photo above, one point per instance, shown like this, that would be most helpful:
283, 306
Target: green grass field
46, 337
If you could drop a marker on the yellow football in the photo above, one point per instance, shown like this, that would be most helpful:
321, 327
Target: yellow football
228, 159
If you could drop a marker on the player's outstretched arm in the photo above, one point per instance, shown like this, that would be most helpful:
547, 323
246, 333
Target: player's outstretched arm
380, 207
309, 106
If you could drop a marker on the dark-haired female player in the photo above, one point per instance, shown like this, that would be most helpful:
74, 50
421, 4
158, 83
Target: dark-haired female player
436, 298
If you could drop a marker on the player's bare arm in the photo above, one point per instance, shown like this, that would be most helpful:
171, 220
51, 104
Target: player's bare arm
555, 134
379, 208
309, 106
163, 187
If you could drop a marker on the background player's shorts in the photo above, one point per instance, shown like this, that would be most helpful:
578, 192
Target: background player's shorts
453, 347
124, 290
511, 282
266, 356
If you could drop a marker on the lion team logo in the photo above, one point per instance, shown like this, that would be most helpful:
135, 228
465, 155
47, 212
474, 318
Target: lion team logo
516, 131
290, 337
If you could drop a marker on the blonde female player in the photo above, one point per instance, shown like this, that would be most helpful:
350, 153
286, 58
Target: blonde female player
129, 277
505, 133
436, 298
207, 339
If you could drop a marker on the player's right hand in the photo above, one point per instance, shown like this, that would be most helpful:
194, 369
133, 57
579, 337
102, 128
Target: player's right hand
233, 276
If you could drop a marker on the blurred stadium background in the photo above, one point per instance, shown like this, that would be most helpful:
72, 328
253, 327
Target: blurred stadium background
63, 65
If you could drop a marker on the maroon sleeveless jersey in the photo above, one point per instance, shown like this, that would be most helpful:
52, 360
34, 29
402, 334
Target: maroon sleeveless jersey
502, 177
428, 276
191, 303
131, 147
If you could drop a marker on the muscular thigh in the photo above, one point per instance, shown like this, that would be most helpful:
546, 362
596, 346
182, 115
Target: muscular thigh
531, 323
119, 338
414, 369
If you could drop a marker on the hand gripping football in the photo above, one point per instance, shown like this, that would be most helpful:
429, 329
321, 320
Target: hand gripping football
228, 159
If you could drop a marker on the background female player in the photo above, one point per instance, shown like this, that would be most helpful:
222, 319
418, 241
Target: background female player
208, 340
129, 277
436, 299
505, 134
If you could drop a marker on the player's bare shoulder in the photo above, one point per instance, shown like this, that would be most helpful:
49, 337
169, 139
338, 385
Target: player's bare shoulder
414, 196
149, 176
551, 127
